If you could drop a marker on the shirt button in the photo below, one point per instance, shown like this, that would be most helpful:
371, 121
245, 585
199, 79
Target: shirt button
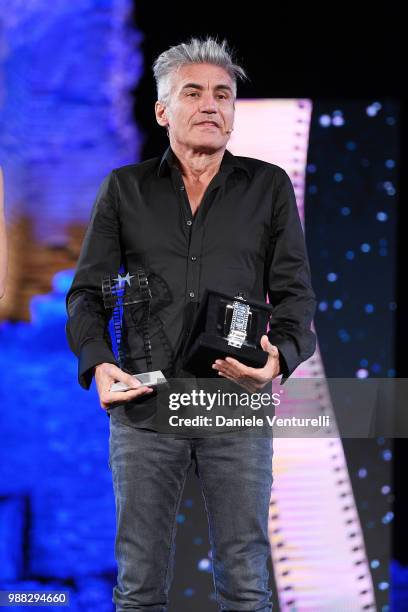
193, 258
182, 188
191, 294
189, 222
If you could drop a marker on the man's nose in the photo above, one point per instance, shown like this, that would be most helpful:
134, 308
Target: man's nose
208, 103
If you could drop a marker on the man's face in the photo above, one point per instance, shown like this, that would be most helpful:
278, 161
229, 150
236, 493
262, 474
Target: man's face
201, 107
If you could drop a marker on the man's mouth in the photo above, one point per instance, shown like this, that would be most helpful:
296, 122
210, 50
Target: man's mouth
208, 123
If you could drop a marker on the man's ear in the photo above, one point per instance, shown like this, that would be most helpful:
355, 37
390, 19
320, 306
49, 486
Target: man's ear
161, 116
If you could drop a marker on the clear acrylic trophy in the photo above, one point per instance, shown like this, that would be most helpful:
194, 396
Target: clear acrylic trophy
129, 297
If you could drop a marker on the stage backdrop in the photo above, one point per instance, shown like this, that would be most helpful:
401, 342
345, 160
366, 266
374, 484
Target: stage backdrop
66, 75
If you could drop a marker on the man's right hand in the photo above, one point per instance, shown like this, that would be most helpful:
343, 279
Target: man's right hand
105, 375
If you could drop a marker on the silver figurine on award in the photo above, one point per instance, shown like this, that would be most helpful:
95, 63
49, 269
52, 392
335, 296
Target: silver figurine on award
237, 322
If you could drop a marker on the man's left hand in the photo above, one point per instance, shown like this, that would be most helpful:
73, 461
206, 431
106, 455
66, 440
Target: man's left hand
252, 379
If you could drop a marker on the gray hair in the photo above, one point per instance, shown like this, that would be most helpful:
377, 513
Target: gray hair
195, 51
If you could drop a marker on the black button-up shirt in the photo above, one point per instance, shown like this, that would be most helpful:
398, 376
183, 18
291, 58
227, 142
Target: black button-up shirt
245, 236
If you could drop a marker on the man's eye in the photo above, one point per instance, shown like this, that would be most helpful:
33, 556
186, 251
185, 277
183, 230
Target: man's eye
193, 93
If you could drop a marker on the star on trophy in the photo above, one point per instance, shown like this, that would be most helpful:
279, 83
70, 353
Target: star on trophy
129, 298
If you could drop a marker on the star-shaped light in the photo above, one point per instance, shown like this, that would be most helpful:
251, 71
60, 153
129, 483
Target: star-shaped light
123, 279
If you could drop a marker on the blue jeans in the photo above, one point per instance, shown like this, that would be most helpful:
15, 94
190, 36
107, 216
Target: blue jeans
149, 472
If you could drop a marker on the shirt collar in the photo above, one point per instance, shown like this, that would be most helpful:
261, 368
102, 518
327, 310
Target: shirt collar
229, 162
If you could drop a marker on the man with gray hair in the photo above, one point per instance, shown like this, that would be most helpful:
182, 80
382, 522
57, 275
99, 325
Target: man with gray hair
197, 218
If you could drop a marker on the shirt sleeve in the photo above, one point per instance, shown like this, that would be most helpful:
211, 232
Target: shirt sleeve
289, 285
87, 325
